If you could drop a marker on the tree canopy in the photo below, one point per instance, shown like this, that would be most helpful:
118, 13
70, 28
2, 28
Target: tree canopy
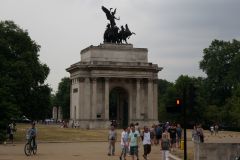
62, 97
22, 76
221, 63
214, 99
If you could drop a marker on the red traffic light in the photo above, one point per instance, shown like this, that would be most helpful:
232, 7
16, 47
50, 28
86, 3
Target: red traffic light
178, 102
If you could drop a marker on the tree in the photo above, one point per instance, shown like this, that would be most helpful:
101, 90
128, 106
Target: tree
189, 89
22, 75
231, 114
163, 89
62, 98
221, 64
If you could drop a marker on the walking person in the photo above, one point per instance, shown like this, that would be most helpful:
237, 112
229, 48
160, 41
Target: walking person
133, 142
216, 129
165, 144
124, 144
153, 134
10, 132
159, 131
179, 135
212, 129
200, 133
112, 137
195, 137
146, 142
173, 136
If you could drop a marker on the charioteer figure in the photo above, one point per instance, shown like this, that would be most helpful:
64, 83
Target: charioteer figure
112, 33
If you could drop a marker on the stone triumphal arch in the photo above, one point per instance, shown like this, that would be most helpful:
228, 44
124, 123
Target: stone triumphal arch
113, 82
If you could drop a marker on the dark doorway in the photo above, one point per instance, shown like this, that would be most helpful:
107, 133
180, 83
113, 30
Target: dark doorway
118, 106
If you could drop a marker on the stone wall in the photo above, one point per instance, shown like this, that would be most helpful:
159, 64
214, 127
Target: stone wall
216, 151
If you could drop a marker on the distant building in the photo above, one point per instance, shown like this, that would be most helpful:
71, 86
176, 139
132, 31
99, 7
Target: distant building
57, 113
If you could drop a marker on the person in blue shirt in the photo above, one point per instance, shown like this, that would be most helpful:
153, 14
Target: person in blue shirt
32, 132
133, 142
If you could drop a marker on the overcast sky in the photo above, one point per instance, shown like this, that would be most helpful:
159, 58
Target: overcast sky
174, 31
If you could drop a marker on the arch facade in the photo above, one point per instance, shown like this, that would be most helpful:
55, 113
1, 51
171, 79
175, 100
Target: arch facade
104, 68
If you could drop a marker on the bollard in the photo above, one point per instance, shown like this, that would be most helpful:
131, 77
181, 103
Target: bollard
182, 145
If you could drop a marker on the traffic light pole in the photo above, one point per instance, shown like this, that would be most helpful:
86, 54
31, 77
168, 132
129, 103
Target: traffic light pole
184, 124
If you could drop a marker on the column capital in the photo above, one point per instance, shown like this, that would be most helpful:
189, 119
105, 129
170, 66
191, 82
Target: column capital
106, 78
155, 80
138, 80
94, 79
150, 79
86, 78
81, 79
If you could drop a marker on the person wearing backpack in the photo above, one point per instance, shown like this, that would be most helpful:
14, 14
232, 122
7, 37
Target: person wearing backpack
165, 146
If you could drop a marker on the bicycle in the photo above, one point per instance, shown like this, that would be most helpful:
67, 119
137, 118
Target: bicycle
29, 148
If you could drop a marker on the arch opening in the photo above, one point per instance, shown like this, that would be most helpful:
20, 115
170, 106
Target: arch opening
118, 106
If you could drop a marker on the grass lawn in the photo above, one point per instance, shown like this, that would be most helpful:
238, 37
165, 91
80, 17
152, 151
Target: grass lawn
48, 133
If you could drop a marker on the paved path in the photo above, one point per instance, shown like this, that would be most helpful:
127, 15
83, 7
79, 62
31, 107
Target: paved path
69, 151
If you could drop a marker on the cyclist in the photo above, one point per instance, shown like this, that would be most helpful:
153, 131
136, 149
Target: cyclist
32, 132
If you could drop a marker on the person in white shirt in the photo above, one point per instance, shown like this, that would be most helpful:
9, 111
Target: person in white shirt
112, 138
124, 143
146, 142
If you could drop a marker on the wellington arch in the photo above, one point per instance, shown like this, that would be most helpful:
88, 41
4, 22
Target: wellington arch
113, 82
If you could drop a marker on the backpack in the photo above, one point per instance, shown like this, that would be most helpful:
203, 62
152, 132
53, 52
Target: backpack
165, 144
159, 131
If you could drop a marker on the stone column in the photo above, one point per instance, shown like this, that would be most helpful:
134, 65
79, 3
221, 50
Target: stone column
87, 97
150, 99
94, 98
71, 105
106, 99
130, 102
59, 113
54, 113
81, 98
138, 107
155, 100
76, 95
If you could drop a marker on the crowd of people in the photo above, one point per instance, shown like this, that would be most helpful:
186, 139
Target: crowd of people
197, 133
167, 136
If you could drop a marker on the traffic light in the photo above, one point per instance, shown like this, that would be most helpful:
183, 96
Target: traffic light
176, 107
178, 102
